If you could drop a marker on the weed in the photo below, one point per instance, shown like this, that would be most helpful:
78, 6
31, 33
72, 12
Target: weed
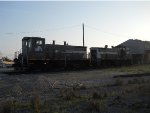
97, 95
16, 90
75, 85
96, 105
129, 111
9, 106
68, 94
145, 89
83, 87
118, 82
46, 107
6, 108
113, 93
35, 103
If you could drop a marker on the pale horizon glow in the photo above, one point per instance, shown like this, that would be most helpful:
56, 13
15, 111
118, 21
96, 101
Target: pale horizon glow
106, 23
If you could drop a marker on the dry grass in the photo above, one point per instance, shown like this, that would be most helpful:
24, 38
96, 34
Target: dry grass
131, 69
77, 92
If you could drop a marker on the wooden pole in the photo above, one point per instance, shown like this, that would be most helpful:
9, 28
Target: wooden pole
83, 34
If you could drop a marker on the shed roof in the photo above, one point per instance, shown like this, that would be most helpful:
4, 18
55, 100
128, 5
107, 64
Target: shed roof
136, 46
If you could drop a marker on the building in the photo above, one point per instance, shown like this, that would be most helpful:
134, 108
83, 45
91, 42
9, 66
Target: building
1, 62
139, 49
4, 63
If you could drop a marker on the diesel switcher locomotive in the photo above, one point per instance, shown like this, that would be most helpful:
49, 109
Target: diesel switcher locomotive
106, 57
38, 55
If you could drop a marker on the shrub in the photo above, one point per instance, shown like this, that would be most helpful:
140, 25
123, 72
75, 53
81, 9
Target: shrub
68, 94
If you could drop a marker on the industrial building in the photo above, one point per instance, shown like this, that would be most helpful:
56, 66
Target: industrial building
139, 49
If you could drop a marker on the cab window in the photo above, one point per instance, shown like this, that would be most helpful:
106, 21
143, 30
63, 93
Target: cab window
39, 42
38, 47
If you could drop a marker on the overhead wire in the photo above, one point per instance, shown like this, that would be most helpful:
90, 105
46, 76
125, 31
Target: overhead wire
106, 32
63, 28
46, 30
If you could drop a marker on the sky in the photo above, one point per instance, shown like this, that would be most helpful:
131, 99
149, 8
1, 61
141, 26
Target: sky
105, 22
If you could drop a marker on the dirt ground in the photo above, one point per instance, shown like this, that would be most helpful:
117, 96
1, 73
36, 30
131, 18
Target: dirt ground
113, 90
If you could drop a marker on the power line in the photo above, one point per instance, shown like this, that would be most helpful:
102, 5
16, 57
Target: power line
106, 32
63, 28
46, 30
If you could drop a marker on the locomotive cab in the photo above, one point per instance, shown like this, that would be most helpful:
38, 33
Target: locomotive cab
32, 44
32, 50
33, 47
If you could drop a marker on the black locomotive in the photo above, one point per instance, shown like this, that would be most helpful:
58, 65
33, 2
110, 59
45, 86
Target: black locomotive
38, 55
106, 57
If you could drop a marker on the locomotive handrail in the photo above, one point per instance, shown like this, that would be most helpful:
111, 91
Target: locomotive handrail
16, 54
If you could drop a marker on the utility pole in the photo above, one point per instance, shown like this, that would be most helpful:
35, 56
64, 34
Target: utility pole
83, 33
